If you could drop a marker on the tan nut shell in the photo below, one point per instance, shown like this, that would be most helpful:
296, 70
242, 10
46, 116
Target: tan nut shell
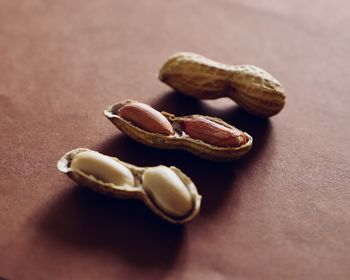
176, 141
135, 192
251, 87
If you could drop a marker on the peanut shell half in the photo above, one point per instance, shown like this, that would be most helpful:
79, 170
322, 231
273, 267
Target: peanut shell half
136, 191
179, 140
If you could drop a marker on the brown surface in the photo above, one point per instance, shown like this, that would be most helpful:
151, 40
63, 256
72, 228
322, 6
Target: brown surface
282, 212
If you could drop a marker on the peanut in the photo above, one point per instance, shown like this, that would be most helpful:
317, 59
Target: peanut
213, 133
168, 191
146, 117
205, 136
251, 87
103, 168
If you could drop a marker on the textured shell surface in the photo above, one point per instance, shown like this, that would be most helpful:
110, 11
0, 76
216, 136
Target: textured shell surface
251, 87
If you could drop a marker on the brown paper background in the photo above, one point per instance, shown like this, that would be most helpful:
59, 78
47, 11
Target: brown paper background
283, 212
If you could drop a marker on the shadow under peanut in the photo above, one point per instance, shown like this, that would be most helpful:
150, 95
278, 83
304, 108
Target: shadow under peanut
86, 220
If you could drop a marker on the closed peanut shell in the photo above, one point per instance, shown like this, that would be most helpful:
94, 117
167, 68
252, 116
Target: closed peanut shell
251, 87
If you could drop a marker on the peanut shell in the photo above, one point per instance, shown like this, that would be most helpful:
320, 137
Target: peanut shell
179, 140
251, 87
136, 191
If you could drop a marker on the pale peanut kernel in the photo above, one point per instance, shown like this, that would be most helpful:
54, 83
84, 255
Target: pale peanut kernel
167, 190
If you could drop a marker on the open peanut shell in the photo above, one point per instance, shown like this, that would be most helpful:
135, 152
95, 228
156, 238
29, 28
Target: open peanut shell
179, 140
135, 192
